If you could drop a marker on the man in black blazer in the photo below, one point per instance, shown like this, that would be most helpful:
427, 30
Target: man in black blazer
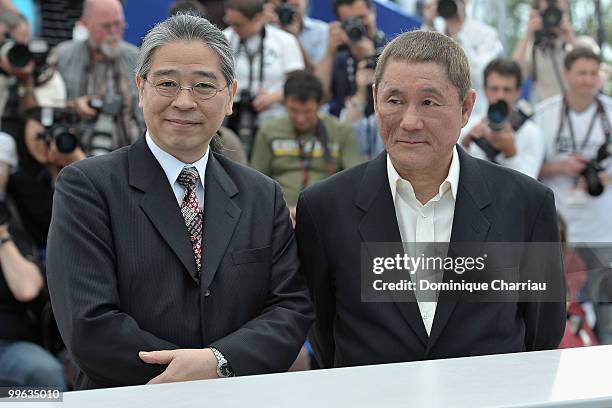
423, 188
149, 285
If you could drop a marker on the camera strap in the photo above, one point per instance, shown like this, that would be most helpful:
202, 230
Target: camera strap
565, 115
306, 155
251, 57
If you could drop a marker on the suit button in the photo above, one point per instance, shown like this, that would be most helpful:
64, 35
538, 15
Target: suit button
207, 293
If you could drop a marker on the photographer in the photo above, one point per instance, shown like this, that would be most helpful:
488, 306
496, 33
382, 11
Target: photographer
291, 16
542, 50
351, 39
479, 41
263, 54
25, 77
576, 129
360, 111
100, 79
505, 135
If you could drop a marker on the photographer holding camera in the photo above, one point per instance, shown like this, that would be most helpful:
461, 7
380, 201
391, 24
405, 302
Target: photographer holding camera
542, 50
577, 132
505, 135
263, 54
479, 41
351, 39
100, 80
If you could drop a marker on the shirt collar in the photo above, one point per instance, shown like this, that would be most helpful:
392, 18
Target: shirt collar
173, 166
451, 181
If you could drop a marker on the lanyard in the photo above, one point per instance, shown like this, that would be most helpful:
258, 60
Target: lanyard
242, 46
565, 110
306, 154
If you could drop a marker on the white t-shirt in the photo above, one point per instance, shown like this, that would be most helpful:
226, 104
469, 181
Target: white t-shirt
529, 148
588, 218
281, 53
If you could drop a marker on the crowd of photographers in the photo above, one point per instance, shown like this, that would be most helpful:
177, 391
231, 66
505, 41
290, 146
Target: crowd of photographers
304, 110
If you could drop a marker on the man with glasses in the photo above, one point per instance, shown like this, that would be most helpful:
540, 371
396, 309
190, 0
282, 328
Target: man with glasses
160, 267
99, 78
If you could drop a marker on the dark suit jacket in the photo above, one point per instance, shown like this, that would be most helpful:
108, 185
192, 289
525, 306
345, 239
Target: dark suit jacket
122, 274
493, 204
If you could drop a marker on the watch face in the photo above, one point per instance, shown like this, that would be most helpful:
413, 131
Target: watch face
225, 370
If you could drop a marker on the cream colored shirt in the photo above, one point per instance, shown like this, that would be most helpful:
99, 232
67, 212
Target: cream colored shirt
432, 222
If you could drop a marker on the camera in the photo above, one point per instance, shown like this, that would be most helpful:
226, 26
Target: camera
551, 19
448, 9
593, 167
354, 28
498, 114
100, 135
60, 127
285, 13
20, 55
243, 120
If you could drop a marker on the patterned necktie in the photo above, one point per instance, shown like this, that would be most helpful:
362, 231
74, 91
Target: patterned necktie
190, 208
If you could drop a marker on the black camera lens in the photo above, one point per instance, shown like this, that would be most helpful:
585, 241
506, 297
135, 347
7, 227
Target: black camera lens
65, 139
497, 115
551, 18
19, 55
285, 13
354, 28
591, 175
447, 9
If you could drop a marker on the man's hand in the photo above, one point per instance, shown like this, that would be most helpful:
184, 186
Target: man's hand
64, 159
503, 140
81, 106
183, 364
336, 37
534, 23
264, 100
572, 165
476, 132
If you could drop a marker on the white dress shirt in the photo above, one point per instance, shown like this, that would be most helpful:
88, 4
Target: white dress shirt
173, 167
431, 222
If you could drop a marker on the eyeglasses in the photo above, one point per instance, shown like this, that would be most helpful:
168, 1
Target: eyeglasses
170, 89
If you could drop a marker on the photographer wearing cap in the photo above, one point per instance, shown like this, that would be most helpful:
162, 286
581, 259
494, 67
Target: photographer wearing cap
542, 50
505, 135
99, 77
479, 41
351, 39
576, 129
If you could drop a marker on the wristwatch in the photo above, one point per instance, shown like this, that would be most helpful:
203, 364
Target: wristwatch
223, 367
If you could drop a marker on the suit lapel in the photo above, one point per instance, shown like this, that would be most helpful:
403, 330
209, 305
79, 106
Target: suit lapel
221, 216
469, 226
159, 203
379, 225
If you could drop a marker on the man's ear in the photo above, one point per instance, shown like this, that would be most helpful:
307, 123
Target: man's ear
467, 105
140, 86
232, 94
374, 91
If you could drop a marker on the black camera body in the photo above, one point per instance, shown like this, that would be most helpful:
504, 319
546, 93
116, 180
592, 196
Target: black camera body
551, 19
243, 120
60, 127
448, 8
593, 167
100, 136
498, 114
354, 28
19, 55
285, 13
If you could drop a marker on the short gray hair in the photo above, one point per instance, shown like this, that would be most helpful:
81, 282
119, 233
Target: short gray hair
186, 27
428, 46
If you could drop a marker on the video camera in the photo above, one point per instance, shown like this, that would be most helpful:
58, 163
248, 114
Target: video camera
593, 167
20, 55
551, 19
498, 114
285, 13
354, 28
61, 127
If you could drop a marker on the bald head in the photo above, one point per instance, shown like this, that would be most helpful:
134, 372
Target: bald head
105, 22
